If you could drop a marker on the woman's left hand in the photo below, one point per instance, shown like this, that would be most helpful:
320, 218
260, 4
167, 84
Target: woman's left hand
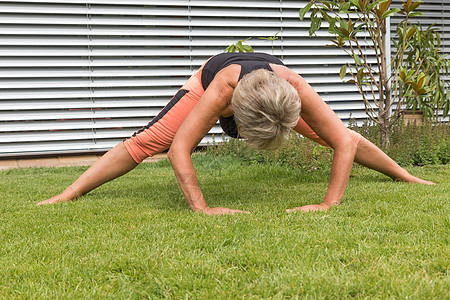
314, 207
222, 211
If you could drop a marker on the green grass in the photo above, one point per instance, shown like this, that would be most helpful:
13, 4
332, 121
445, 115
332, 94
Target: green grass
136, 238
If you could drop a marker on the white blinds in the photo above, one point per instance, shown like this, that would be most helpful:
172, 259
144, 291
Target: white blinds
79, 76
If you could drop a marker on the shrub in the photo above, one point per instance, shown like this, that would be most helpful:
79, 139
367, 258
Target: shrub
411, 145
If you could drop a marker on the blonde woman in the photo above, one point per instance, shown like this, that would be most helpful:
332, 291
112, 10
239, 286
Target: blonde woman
254, 97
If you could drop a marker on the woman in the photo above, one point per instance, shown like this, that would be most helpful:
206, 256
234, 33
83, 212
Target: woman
256, 98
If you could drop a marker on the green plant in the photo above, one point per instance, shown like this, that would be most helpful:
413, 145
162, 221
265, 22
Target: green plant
352, 23
243, 46
240, 46
271, 39
426, 62
411, 145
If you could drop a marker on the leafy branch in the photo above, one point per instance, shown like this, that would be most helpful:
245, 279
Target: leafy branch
359, 29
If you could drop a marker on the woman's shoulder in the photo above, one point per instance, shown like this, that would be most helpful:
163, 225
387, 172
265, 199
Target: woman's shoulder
291, 76
228, 76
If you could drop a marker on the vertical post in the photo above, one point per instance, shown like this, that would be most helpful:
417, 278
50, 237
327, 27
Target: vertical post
91, 69
281, 31
387, 52
191, 67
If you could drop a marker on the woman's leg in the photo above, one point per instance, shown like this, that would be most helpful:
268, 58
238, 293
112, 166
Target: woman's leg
369, 155
113, 164
153, 138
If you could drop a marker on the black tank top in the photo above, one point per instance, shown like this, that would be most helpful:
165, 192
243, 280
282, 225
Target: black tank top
248, 62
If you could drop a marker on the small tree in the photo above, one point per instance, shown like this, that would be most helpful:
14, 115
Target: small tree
352, 23
426, 57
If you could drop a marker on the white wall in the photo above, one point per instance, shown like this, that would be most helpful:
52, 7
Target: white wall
80, 75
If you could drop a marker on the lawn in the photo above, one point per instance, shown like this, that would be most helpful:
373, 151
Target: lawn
136, 238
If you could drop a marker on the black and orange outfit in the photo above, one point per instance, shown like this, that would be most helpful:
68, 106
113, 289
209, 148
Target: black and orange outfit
157, 135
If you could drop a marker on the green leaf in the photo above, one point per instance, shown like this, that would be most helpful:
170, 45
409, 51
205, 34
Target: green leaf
314, 12
446, 108
415, 14
439, 41
355, 3
345, 32
230, 49
390, 13
239, 46
421, 80
415, 5
334, 30
344, 23
360, 75
302, 12
345, 6
327, 17
384, 6
334, 42
360, 27
332, 23
357, 60
343, 71
403, 75
436, 98
410, 32
247, 48
422, 91
315, 25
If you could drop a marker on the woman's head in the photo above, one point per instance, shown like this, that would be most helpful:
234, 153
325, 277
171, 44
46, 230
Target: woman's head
266, 107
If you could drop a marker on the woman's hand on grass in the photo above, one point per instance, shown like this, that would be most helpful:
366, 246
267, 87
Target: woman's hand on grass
307, 208
222, 211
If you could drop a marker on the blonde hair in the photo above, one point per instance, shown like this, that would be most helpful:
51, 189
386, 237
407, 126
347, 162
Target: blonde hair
266, 107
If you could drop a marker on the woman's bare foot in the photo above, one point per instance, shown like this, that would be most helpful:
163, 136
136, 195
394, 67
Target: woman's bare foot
412, 179
68, 194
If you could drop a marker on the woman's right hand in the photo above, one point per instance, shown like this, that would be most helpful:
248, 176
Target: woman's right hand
222, 211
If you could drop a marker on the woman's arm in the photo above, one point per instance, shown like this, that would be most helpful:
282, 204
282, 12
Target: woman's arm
319, 116
197, 124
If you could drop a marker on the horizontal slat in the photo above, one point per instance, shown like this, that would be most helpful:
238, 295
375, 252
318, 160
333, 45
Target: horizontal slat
118, 21
53, 51
34, 61
96, 41
59, 104
156, 42
180, 31
297, 61
86, 83
67, 135
98, 72
38, 125
49, 148
73, 135
135, 92
79, 93
83, 103
199, 3
110, 83
35, 148
77, 114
